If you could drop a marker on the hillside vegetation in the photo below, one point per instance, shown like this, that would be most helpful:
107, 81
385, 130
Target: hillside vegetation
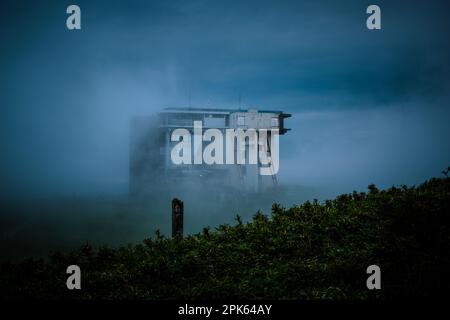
310, 251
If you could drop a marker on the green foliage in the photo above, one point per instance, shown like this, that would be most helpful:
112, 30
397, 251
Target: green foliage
310, 251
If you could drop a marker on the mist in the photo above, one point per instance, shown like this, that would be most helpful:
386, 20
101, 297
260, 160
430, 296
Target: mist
368, 107
347, 150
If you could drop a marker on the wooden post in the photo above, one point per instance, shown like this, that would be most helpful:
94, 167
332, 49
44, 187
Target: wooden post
177, 218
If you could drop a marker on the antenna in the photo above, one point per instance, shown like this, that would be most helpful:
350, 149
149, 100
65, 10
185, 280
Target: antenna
239, 99
189, 97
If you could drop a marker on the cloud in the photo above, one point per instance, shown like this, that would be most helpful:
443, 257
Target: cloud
66, 97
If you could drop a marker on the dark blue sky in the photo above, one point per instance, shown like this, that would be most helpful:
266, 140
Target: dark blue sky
369, 106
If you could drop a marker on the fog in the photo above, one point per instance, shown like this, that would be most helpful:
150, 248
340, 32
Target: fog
367, 106
347, 150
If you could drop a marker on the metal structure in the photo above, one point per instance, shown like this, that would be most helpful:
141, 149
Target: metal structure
150, 147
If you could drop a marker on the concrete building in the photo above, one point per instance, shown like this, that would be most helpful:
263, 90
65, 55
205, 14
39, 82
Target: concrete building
151, 167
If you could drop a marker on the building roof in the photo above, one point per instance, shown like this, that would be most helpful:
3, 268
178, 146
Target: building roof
220, 111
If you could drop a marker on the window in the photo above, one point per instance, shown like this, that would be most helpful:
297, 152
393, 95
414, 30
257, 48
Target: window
274, 122
214, 122
241, 121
